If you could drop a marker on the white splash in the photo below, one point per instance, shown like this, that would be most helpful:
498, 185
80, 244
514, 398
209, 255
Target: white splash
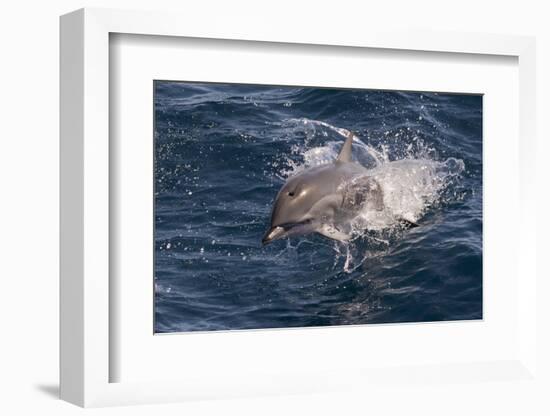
410, 185
410, 188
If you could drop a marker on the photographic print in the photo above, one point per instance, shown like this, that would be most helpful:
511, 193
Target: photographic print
289, 206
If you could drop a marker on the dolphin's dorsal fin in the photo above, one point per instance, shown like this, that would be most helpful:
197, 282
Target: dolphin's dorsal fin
345, 153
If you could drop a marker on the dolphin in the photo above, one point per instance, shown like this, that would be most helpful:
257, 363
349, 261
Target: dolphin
324, 199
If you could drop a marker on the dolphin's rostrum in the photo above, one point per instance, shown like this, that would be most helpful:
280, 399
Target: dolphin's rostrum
324, 199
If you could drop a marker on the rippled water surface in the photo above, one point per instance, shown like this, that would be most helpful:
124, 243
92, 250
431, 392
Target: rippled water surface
223, 151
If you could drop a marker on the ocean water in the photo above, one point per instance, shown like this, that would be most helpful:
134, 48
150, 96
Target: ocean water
223, 151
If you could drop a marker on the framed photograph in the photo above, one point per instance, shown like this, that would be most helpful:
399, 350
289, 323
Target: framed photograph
239, 167
287, 221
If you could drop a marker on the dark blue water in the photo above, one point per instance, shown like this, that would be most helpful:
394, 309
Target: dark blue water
223, 151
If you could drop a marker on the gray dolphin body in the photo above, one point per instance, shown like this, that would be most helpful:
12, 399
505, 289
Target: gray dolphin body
324, 199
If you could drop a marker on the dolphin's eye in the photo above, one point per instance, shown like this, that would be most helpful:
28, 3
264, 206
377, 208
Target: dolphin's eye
291, 193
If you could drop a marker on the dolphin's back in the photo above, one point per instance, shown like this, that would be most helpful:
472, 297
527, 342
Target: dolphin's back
330, 174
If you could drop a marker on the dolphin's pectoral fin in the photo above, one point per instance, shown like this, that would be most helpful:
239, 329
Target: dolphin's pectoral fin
332, 232
362, 191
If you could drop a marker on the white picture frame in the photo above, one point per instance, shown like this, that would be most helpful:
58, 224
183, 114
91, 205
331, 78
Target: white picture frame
86, 356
